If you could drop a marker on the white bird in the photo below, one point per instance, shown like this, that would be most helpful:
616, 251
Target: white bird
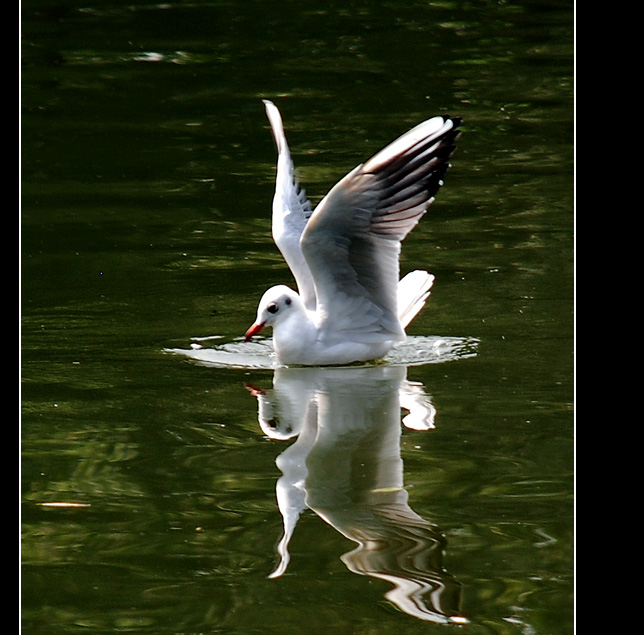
344, 254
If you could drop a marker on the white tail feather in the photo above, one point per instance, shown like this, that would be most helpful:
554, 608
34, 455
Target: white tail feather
413, 291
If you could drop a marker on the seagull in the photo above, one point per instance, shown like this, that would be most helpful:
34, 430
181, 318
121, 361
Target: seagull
344, 253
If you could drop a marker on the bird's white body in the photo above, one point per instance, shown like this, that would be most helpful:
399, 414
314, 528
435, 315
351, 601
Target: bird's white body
344, 255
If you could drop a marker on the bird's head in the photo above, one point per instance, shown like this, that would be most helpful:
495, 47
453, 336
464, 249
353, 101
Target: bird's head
275, 305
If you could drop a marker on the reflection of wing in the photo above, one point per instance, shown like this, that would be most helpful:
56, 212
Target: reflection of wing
397, 545
289, 490
289, 410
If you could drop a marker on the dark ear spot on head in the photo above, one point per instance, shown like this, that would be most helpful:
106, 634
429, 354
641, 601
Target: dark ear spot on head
288, 301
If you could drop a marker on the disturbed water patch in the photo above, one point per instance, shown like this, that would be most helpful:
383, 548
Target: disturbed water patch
259, 353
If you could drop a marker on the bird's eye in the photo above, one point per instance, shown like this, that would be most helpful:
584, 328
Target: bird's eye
272, 307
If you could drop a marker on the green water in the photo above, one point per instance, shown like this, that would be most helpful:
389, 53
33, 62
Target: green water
147, 174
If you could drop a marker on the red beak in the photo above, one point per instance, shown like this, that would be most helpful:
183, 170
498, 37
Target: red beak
254, 330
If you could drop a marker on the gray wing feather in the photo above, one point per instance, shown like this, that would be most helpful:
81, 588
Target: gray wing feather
352, 240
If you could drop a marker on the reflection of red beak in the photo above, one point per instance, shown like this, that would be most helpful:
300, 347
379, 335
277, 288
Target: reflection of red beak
254, 330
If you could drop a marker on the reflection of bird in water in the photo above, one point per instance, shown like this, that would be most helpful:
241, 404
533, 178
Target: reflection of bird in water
398, 546
344, 254
345, 465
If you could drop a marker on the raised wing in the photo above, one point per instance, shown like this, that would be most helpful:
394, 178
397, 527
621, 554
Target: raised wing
352, 241
291, 211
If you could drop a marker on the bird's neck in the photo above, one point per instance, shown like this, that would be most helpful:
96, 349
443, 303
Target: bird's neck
295, 336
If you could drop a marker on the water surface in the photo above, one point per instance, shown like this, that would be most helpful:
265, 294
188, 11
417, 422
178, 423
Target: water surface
164, 495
